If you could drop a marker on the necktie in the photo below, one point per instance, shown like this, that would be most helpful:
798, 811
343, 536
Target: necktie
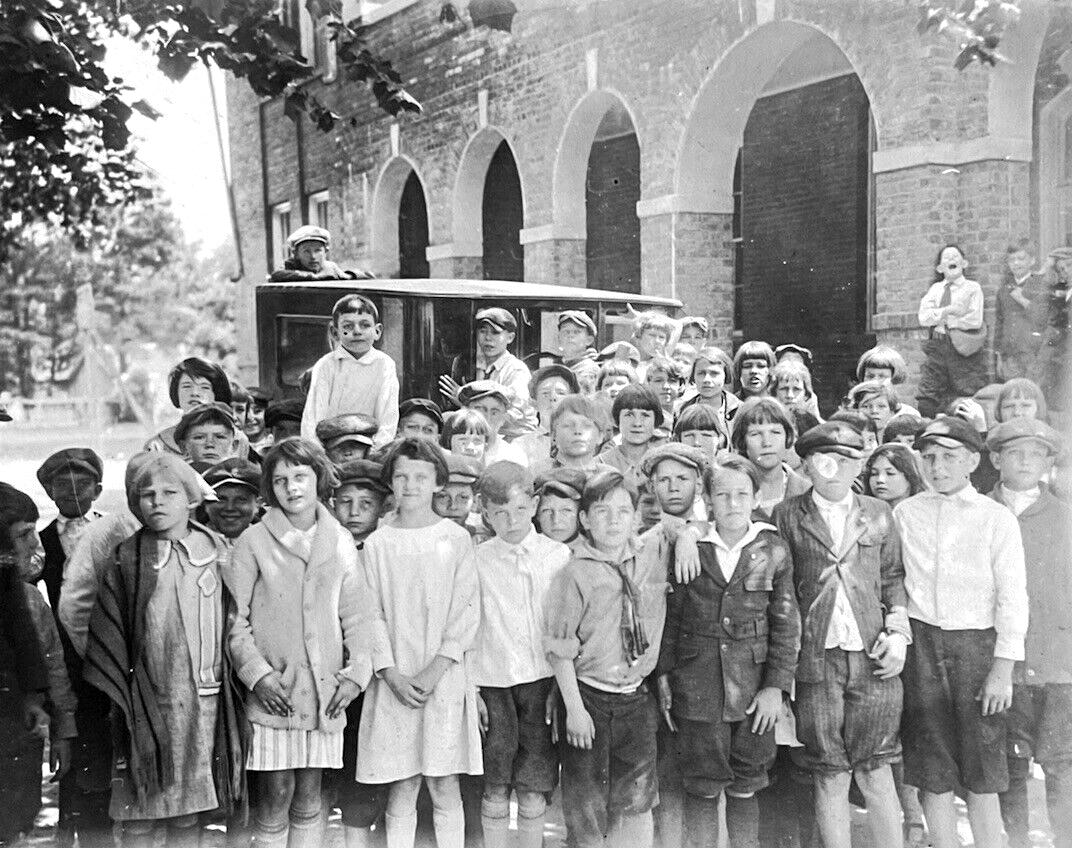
947, 296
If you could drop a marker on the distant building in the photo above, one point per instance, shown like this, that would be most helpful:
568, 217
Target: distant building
788, 167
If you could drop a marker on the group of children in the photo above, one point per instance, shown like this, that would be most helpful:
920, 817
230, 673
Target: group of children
653, 580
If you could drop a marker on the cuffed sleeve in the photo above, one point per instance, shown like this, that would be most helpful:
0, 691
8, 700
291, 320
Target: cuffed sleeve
463, 619
783, 624
563, 608
929, 312
240, 575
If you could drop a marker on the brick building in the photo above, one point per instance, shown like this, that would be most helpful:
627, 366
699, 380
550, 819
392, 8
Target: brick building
789, 168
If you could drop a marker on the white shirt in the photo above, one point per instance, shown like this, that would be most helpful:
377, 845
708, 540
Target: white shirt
728, 556
501, 449
843, 631
1019, 501
964, 565
966, 300
514, 580
70, 530
342, 383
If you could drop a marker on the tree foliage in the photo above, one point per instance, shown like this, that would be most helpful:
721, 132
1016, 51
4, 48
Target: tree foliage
976, 25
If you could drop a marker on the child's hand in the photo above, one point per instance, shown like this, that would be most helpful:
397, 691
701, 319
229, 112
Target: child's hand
404, 688
764, 709
482, 714
889, 652
666, 701
449, 388
345, 692
686, 556
273, 694
59, 758
580, 729
35, 715
996, 694
428, 677
550, 712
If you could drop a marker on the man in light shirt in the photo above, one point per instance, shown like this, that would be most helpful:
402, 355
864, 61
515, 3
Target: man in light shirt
967, 602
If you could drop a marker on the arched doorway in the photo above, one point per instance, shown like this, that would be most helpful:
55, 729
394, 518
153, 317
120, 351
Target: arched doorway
412, 230
612, 189
502, 218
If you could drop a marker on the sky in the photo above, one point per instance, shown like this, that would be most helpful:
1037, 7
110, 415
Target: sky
179, 147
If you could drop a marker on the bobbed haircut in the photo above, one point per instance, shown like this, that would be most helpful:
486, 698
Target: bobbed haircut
883, 356
787, 369
463, 421
616, 368
666, 365
15, 507
298, 451
350, 303
1021, 387
901, 457
699, 416
865, 391
602, 483
714, 356
201, 369
751, 350
501, 478
636, 397
727, 461
903, 425
580, 405
761, 410
239, 393
417, 450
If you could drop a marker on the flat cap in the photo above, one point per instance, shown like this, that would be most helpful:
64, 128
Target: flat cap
424, 407
695, 321
619, 350
203, 413
463, 469
279, 411
687, 455
554, 370
479, 389
950, 431
309, 233
497, 317
234, 472
1024, 429
564, 482
579, 317
349, 427
832, 437
362, 472
68, 460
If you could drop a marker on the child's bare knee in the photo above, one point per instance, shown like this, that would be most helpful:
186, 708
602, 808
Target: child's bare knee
531, 805
402, 796
445, 792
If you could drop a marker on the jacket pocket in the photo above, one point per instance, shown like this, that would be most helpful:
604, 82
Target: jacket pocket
759, 652
760, 580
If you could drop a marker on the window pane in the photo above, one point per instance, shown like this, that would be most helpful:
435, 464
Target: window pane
1067, 170
322, 214
303, 339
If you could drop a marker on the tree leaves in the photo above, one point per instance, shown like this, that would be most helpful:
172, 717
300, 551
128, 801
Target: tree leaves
976, 25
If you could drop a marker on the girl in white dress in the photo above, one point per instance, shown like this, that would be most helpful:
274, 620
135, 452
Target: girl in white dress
419, 721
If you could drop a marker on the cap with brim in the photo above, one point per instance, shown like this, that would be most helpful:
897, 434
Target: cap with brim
362, 472
687, 455
695, 321
202, 413
349, 427
70, 460
1021, 430
831, 437
619, 350
480, 389
259, 394
581, 319
950, 431
424, 407
556, 370
463, 469
564, 482
283, 410
497, 317
234, 472
309, 233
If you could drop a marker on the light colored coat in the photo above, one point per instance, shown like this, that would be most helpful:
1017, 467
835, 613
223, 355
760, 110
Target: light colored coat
297, 606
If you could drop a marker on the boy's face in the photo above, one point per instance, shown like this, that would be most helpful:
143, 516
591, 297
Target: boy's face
664, 385
609, 522
469, 444
1019, 263
454, 501
709, 441
294, 487
574, 340
311, 255
732, 501
1018, 407
557, 517
420, 426
693, 335
194, 391
357, 332
414, 484
23, 536
764, 444
163, 504
511, 521
710, 379
586, 380
755, 374
684, 359
576, 435
345, 451
675, 486
948, 469
74, 493
637, 426
652, 341
883, 375
791, 391
613, 385
492, 341
832, 474
493, 410
358, 509
951, 263
877, 409
1022, 464
550, 393
234, 509
210, 442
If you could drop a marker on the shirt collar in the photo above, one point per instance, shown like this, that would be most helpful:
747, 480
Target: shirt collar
586, 550
844, 504
523, 547
754, 529
1028, 496
62, 522
968, 495
343, 354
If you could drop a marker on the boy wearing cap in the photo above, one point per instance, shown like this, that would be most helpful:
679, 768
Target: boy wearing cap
1039, 727
309, 247
967, 601
346, 437
283, 419
492, 400
355, 376
694, 331
207, 434
1019, 316
455, 499
514, 680
558, 493
420, 418
237, 484
549, 385
850, 589
651, 335
576, 337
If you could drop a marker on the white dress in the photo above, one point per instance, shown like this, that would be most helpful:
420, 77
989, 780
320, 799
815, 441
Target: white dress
428, 593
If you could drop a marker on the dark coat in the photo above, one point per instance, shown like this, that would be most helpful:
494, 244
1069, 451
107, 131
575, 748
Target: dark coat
868, 565
1018, 330
743, 635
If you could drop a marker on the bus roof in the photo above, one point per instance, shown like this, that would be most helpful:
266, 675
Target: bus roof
475, 289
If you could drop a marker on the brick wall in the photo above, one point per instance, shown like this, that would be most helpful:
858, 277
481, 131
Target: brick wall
612, 190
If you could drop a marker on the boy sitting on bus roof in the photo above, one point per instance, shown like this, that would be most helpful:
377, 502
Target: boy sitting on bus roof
309, 247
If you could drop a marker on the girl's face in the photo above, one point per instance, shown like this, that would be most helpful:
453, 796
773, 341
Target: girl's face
609, 521
685, 359
883, 375
951, 263
1018, 407
791, 391
710, 379
294, 487
549, 394
637, 426
414, 483
164, 505
693, 335
764, 444
557, 517
469, 444
755, 374
23, 536
886, 482
709, 441
194, 391
664, 385
878, 410
575, 435
613, 385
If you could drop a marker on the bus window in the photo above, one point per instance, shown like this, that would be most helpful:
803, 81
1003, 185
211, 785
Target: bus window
301, 341
391, 341
452, 347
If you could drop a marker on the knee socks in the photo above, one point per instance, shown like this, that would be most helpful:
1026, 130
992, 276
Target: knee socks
401, 831
742, 821
495, 819
306, 826
449, 827
530, 821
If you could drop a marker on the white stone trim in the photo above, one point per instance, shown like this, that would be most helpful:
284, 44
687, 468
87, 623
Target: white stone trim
668, 204
981, 149
383, 10
552, 232
453, 250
